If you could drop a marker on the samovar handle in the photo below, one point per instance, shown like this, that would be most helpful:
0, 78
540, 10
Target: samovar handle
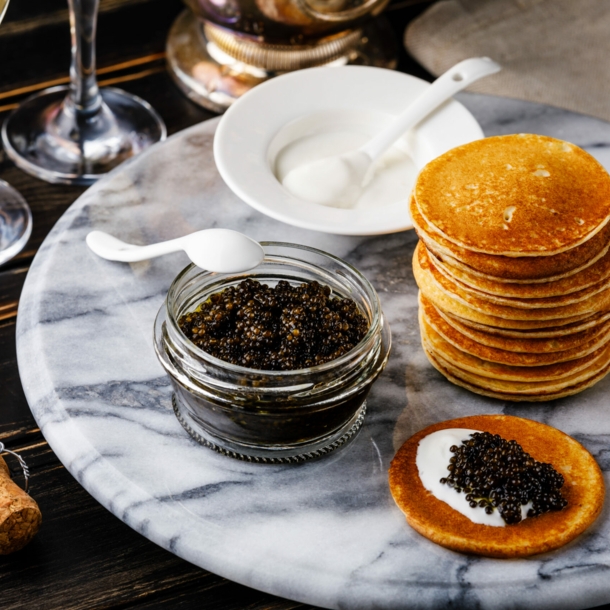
342, 16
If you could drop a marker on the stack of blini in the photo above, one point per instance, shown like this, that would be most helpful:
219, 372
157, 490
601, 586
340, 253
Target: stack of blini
513, 267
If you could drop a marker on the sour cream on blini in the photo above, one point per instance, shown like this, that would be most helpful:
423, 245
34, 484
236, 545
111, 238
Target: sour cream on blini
432, 460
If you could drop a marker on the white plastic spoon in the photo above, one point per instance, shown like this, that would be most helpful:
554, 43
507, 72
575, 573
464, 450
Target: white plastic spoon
338, 181
220, 250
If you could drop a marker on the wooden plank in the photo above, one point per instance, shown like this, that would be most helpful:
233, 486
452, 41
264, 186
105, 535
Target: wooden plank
16, 421
109, 72
51, 13
41, 52
11, 283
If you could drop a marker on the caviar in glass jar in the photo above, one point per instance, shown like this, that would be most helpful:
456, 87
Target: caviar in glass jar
279, 328
497, 474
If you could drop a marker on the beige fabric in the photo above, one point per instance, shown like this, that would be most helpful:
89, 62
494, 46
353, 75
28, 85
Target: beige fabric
553, 51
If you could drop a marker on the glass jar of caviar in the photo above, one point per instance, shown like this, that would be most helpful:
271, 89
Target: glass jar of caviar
271, 415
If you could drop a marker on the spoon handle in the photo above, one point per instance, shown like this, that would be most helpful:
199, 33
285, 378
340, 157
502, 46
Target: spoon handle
114, 249
455, 79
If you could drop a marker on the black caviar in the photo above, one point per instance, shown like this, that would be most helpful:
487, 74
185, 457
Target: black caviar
277, 328
496, 473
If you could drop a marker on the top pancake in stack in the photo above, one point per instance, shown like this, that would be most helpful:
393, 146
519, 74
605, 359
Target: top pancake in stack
514, 265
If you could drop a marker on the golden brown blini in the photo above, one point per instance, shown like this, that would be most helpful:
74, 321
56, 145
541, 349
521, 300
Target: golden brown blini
513, 266
429, 278
581, 324
431, 318
595, 273
543, 396
527, 300
517, 195
519, 269
583, 489
446, 300
527, 341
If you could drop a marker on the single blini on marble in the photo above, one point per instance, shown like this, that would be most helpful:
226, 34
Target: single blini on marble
572, 506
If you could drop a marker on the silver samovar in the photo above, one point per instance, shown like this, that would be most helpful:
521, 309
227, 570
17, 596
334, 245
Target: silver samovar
219, 49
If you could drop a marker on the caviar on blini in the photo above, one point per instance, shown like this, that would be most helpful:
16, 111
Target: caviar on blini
497, 474
279, 328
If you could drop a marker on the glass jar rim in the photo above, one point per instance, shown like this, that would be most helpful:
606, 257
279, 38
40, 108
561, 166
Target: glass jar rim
374, 326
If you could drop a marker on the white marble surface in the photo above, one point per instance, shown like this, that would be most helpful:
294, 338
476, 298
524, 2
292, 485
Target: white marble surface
324, 532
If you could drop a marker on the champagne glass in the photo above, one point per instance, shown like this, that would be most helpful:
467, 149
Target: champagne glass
75, 134
15, 215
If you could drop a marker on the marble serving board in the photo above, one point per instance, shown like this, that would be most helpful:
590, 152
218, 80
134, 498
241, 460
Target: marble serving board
324, 532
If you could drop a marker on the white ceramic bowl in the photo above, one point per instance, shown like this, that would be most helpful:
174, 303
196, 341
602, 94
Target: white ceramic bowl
262, 122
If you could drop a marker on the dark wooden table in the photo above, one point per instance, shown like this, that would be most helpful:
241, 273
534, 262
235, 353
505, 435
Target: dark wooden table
83, 556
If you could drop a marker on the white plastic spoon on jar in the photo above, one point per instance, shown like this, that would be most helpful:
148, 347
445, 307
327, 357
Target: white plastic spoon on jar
220, 250
338, 181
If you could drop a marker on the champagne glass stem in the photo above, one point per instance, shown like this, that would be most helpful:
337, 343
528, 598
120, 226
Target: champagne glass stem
77, 133
84, 92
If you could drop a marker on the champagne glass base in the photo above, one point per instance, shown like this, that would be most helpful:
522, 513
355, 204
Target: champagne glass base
48, 139
15, 222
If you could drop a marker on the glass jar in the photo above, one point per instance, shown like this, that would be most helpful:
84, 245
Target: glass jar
272, 416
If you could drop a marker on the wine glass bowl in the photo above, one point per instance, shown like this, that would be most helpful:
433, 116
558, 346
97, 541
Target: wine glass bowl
15, 222
15, 214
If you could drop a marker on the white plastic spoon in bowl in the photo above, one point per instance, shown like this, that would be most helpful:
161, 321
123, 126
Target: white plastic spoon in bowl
338, 181
221, 250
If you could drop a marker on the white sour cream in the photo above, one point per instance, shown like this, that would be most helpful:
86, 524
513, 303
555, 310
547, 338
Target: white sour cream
432, 460
388, 181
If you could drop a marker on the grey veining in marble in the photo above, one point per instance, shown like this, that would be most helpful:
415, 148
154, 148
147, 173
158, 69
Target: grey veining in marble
324, 532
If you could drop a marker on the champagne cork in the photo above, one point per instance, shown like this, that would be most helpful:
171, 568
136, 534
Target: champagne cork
20, 516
